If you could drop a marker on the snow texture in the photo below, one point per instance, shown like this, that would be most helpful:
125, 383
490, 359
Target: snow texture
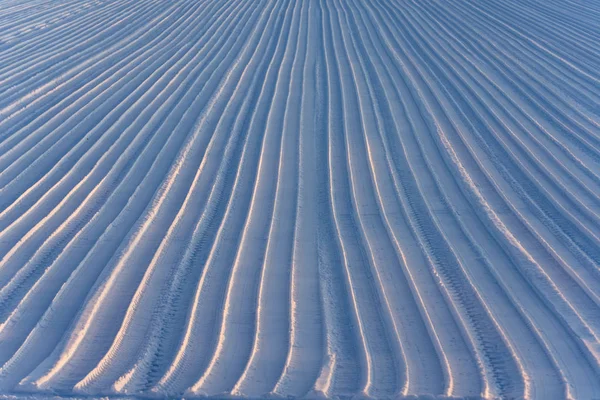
300, 198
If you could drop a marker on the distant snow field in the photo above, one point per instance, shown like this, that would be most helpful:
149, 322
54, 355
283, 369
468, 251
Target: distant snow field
300, 198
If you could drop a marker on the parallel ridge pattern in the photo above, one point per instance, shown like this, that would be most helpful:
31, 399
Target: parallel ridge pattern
314, 197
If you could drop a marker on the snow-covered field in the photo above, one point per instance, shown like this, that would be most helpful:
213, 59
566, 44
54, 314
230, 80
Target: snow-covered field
381, 198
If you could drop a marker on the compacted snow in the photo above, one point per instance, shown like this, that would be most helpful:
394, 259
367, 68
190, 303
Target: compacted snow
381, 198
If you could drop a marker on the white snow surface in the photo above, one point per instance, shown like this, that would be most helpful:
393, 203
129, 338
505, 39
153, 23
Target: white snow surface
300, 198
